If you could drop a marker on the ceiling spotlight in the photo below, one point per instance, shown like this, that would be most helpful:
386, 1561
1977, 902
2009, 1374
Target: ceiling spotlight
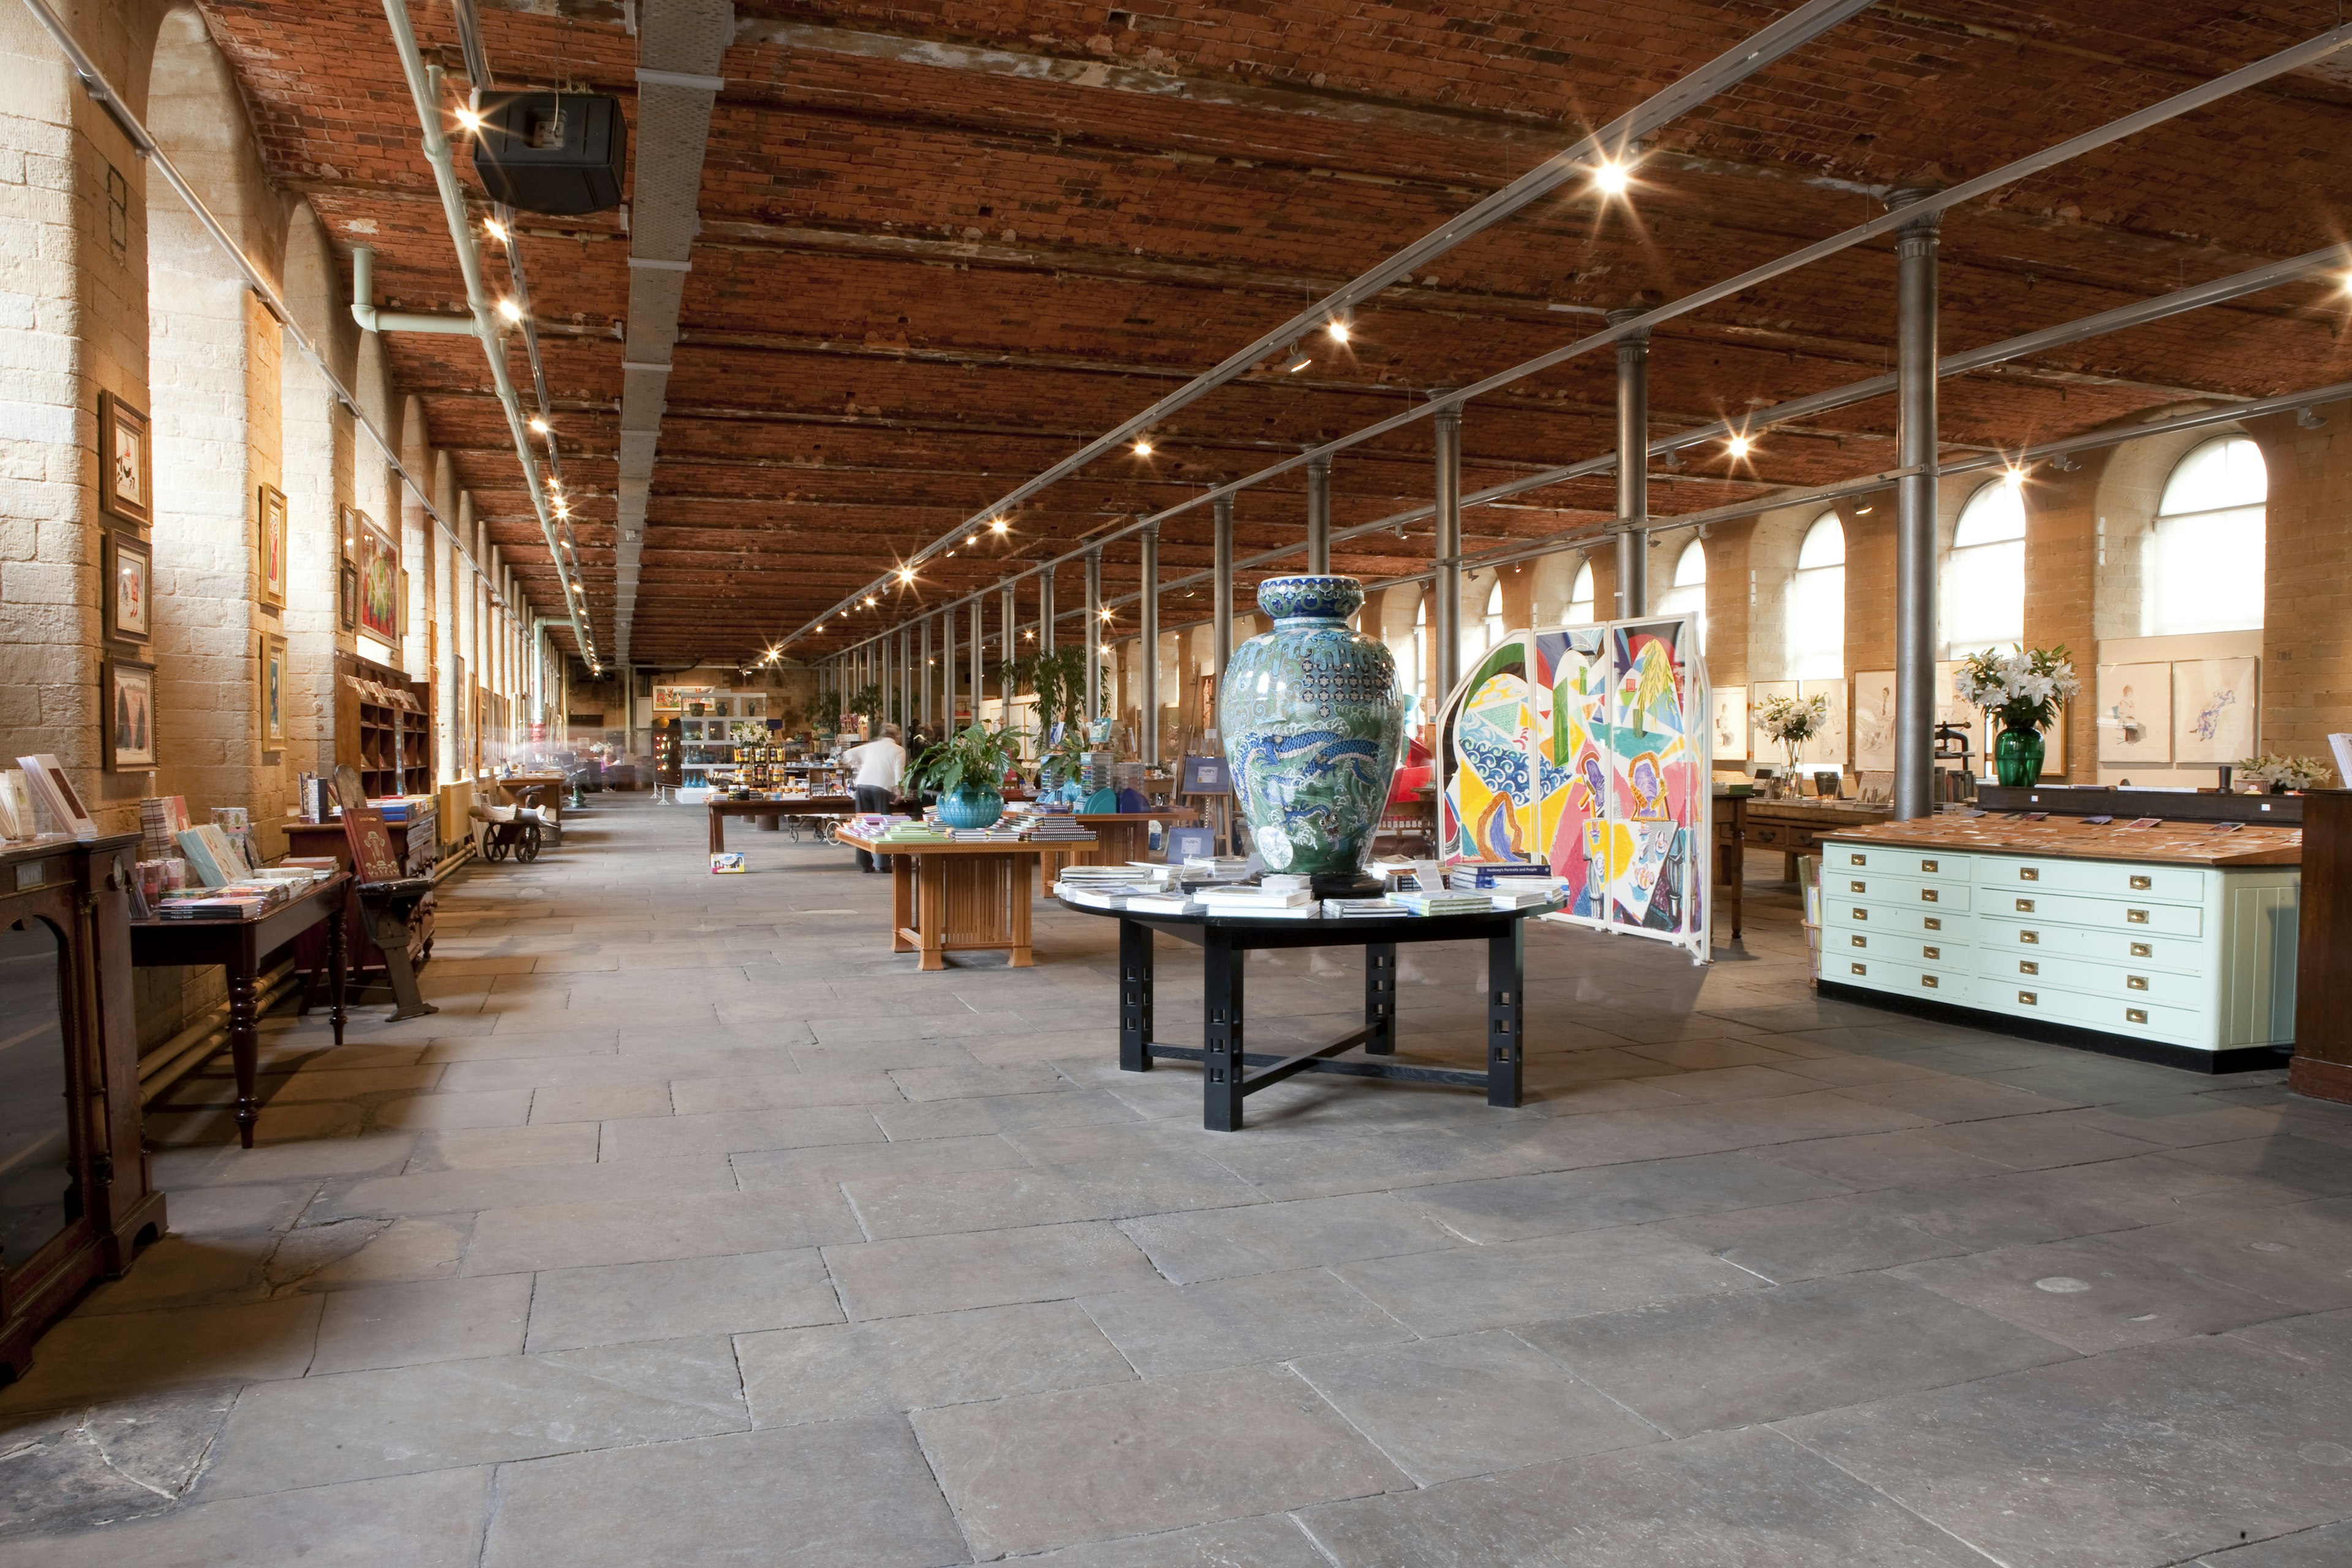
2013, 476
906, 573
1143, 446
2309, 418
1612, 178
1297, 360
510, 310
1339, 330
1106, 612
1739, 446
870, 601
469, 119
538, 427
494, 228
1028, 637
999, 525
969, 540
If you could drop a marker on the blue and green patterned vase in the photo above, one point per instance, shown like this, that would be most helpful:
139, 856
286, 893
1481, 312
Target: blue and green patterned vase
1312, 720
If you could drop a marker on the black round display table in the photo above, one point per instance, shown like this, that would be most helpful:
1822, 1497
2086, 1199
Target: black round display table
1223, 940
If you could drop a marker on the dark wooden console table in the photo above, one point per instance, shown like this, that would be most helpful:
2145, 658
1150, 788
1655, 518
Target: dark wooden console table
1225, 943
242, 947
771, 813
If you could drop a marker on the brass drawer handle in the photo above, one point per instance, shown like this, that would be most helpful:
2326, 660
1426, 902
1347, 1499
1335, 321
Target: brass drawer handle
2135, 1015
2142, 884
1861, 914
1857, 858
2027, 966
1929, 896
1931, 923
2030, 938
2142, 950
2026, 997
1926, 865
2029, 873
1931, 952
1859, 939
1856, 888
1859, 968
1929, 981
2137, 917
2135, 981
2025, 906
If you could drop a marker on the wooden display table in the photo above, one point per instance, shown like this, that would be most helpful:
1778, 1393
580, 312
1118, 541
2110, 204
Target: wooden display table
1225, 943
1731, 848
241, 948
771, 813
957, 898
2322, 1034
1797, 827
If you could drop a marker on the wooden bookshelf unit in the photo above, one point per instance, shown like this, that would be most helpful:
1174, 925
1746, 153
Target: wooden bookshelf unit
383, 727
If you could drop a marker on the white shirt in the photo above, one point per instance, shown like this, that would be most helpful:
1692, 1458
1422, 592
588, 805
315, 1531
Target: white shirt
878, 762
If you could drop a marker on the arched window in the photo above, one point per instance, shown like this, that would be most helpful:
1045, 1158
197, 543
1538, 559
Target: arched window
1688, 594
1984, 581
1817, 604
2204, 560
1491, 625
1580, 597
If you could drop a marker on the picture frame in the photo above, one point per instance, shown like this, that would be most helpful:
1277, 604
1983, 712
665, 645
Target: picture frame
349, 582
130, 587
379, 587
2134, 716
273, 692
2214, 708
128, 726
46, 780
269, 512
126, 468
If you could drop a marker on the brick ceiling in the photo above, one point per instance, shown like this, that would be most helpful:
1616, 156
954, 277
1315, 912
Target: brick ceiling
945, 242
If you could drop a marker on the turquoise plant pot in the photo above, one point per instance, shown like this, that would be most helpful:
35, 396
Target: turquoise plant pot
970, 807
1312, 720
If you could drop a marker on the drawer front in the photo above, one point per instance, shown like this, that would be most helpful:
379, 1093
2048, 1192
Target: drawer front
1872, 887
1764, 833
2134, 948
2104, 914
1924, 952
2101, 878
2144, 1020
1878, 860
2061, 972
1937, 984
1852, 914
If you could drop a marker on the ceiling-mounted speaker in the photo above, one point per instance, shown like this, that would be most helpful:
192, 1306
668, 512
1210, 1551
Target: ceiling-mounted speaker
553, 152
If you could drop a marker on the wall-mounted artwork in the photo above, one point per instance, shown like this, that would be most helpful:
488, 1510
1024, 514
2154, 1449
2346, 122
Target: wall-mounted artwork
2135, 718
1827, 749
2213, 710
1731, 703
129, 729
126, 480
1873, 721
347, 582
129, 571
273, 693
271, 547
379, 564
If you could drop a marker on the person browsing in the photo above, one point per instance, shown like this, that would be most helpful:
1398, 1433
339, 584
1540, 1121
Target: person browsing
877, 765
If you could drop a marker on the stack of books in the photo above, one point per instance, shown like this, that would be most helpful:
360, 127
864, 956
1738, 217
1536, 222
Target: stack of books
1156, 901
1098, 887
1378, 909
161, 820
1002, 832
1261, 902
906, 832
1058, 828
1469, 903
213, 856
1218, 868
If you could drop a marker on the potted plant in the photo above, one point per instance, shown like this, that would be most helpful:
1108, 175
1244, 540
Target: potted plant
1793, 720
2282, 776
968, 769
2026, 689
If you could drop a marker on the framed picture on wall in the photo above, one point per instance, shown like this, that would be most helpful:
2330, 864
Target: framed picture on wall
1730, 705
347, 581
129, 729
273, 692
2135, 719
2212, 711
379, 565
270, 548
129, 567
1873, 721
125, 466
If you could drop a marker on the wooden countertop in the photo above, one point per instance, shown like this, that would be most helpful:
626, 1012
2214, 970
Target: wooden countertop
2073, 838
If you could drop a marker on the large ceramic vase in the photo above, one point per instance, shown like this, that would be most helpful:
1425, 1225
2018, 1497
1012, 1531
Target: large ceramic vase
970, 806
1312, 718
2017, 757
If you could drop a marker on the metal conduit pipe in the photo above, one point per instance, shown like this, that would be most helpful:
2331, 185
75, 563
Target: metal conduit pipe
2195, 97
1633, 471
424, 90
372, 319
1093, 630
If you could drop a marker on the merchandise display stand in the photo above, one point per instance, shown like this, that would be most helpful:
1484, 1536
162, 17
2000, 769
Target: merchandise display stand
958, 898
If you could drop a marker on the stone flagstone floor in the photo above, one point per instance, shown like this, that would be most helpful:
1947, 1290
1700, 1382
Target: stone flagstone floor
696, 1228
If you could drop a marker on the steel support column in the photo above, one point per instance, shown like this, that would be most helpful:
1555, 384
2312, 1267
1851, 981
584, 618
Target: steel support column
1632, 469
1094, 634
1045, 610
1446, 625
1220, 576
979, 638
1148, 633
931, 680
1318, 516
1009, 613
905, 677
1914, 515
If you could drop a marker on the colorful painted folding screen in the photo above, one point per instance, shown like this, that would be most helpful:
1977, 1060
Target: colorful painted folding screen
1589, 748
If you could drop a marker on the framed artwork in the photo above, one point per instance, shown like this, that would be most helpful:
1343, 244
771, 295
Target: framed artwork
1873, 721
272, 546
125, 466
379, 569
1730, 724
349, 580
1826, 750
273, 692
130, 568
2213, 711
46, 781
2134, 716
130, 730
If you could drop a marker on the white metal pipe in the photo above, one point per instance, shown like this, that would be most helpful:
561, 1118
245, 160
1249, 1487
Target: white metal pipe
365, 311
1914, 519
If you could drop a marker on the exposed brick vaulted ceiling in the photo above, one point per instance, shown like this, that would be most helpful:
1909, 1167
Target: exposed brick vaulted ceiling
944, 244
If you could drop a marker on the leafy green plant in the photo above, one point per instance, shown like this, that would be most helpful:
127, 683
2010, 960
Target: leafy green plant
1059, 678
973, 757
866, 702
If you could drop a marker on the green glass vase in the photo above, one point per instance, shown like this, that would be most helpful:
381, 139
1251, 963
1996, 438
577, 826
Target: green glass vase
2017, 757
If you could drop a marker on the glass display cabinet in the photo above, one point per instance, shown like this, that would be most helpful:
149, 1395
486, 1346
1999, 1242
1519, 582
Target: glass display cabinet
76, 1198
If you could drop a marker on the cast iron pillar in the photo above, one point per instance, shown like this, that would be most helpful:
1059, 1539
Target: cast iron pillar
1045, 610
1633, 468
1221, 571
1446, 625
1914, 513
1318, 516
1147, 647
979, 637
906, 677
1008, 611
948, 666
1094, 634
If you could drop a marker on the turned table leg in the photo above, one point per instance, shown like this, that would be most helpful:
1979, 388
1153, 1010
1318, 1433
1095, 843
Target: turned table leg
245, 1050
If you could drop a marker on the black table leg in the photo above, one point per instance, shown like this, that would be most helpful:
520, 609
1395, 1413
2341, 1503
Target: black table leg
338, 961
243, 1049
1505, 1014
1380, 998
1134, 997
1223, 1068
